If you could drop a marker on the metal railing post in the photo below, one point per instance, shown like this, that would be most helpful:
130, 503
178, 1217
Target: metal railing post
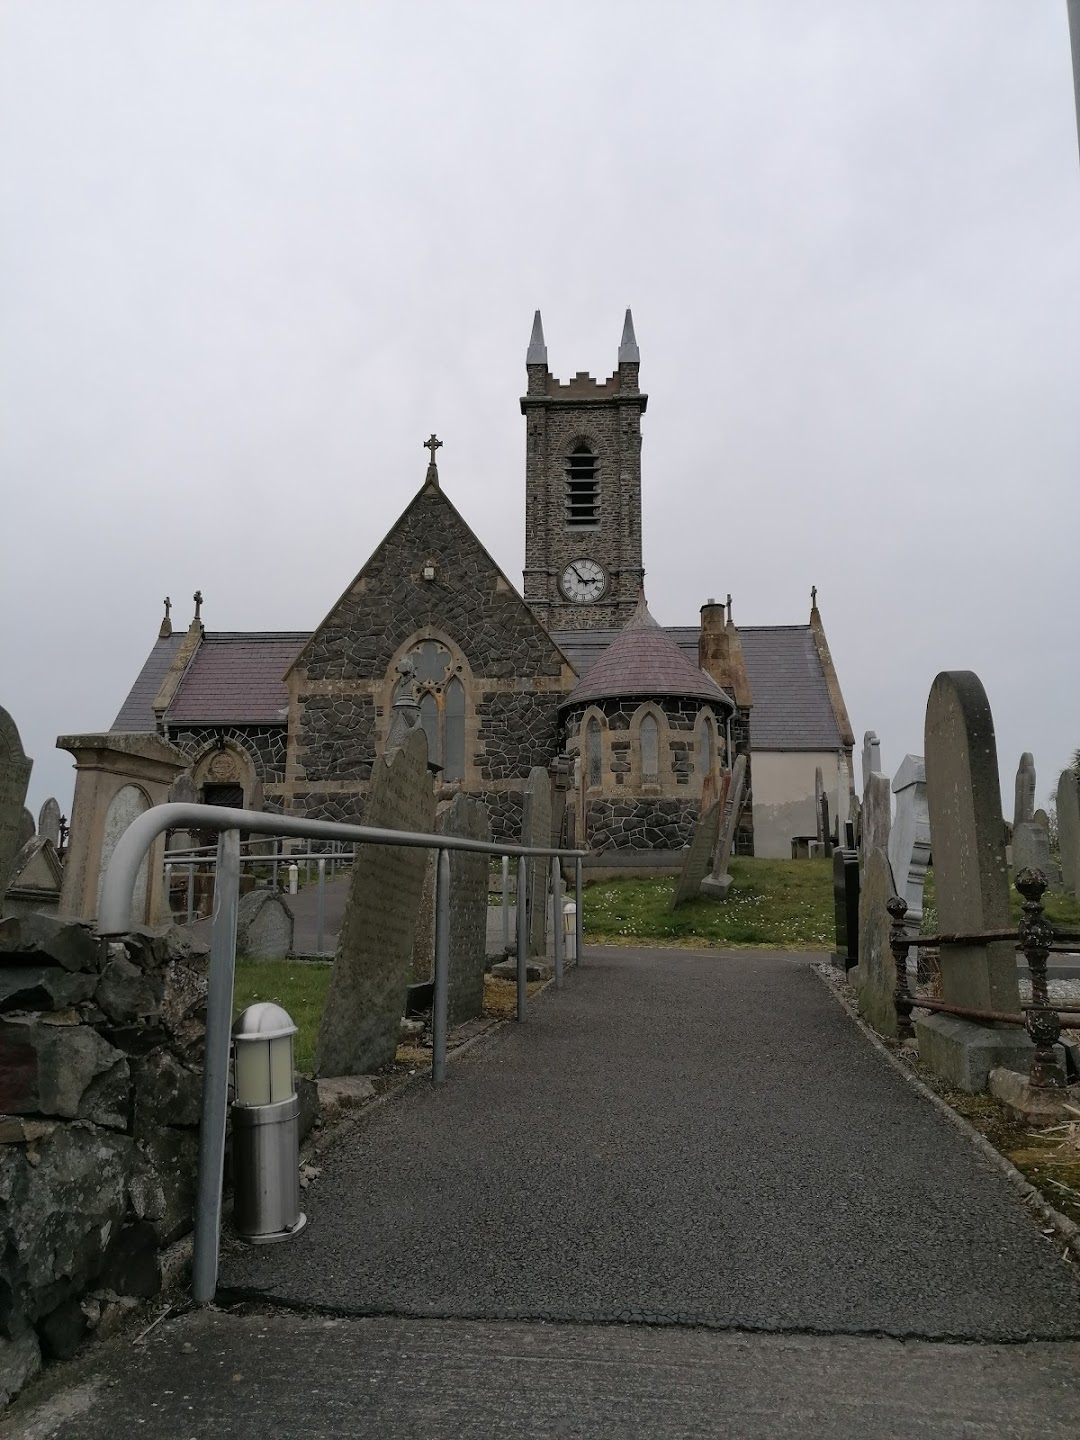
522, 938
557, 929
441, 998
579, 918
191, 892
215, 1097
320, 923
506, 904
277, 846
168, 891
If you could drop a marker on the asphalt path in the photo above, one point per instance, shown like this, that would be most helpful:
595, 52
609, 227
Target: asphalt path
674, 1138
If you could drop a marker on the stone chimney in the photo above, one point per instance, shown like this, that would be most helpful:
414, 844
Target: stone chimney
720, 652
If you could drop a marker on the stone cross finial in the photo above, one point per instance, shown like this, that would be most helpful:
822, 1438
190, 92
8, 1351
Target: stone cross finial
813, 597
168, 606
432, 443
166, 625
198, 598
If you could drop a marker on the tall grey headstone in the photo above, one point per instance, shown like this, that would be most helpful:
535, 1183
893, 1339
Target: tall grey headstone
536, 830
27, 828
1068, 819
48, 826
963, 793
875, 976
1042, 818
264, 926
466, 818
719, 882
819, 796
15, 766
1024, 791
876, 814
695, 866
1031, 849
909, 837
871, 757
361, 1019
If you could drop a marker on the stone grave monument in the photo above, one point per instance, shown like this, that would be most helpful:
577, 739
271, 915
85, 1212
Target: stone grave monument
15, 766
264, 926
466, 818
874, 977
48, 824
846, 906
909, 836
871, 757
972, 886
1068, 819
703, 842
876, 814
1024, 791
536, 830
719, 882
361, 1020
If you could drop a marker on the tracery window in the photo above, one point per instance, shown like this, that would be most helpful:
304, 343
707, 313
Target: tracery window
442, 706
592, 753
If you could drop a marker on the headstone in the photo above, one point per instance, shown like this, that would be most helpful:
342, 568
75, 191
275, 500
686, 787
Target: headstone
27, 828
466, 817
182, 791
909, 837
536, 830
1042, 818
825, 825
719, 882
1031, 849
1024, 792
876, 814
35, 879
871, 757
846, 905
963, 794
264, 926
695, 866
422, 964
819, 796
14, 778
361, 1019
1068, 819
48, 825
875, 976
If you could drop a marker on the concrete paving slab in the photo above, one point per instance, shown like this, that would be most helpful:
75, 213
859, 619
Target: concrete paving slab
685, 1137
253, 1376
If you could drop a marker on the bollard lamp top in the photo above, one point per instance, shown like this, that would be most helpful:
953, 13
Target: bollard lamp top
264, 1021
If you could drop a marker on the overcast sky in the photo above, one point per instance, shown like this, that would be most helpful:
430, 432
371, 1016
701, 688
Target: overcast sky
251, 254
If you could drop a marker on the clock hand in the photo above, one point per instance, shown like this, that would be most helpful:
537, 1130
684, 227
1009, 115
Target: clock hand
579, 575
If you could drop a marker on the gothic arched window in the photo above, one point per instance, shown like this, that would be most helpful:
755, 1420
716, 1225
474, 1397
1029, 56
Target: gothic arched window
582, 486
442, 698
454, 731
592, 753
706, 747
649, 734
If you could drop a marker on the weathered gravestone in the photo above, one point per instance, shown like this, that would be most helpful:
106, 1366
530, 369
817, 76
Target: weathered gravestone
27, 828
972, 885
466, 818
1024, 792
361, 1020
1068, 819
819, 796
871, 757
846, 906
909, 837
875, 975
1031, 849
264, 926
876, 814
48, 825
536, 830
719, 882
15, 768
703, 841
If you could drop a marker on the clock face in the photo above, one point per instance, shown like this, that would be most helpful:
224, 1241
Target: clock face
583, 581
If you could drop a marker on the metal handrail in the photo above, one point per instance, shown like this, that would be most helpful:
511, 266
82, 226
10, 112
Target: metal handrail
114, 918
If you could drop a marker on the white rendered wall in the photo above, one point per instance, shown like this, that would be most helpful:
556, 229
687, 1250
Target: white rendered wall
783, 790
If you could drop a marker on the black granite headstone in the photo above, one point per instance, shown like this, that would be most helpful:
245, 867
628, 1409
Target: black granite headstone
846, 903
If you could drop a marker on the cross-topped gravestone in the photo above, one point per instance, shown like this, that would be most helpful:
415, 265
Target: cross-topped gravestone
361, 1019
963, 795
15, 768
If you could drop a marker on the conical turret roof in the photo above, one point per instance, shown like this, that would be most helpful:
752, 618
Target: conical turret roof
644, 660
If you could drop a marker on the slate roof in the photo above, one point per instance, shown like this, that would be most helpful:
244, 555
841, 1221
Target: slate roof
642, 659
137, 712
237, 678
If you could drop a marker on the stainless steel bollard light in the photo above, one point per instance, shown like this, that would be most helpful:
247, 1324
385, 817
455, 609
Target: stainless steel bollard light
569, 925
266, 1127
294, 877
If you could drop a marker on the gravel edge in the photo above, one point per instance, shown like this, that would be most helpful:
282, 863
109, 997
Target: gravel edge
1034, 1201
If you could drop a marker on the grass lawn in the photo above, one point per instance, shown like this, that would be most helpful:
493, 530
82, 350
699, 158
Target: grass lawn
1062, 910
773, 904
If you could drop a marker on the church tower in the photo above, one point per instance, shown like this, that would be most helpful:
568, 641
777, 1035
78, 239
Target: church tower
583, 490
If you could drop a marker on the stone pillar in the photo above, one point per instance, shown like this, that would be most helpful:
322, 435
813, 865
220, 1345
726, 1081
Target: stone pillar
117, 777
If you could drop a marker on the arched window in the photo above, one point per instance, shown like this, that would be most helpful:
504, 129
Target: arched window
429, 719
454, 731
592, 753
582, 486
650, 749
706, 747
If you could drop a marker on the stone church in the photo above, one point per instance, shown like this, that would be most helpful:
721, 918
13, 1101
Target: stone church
636, 722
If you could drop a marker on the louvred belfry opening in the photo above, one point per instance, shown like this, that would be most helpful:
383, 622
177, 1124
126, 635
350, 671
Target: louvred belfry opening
582, 487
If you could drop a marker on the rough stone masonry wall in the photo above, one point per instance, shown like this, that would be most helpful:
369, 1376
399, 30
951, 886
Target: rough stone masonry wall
101, 1046
264, 744
640, 824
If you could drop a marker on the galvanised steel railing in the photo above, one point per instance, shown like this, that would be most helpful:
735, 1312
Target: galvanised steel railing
114, 918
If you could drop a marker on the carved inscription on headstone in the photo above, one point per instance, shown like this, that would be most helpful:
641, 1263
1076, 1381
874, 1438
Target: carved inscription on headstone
963, 795
695, 866
14, 778
536, 830
366, 1000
